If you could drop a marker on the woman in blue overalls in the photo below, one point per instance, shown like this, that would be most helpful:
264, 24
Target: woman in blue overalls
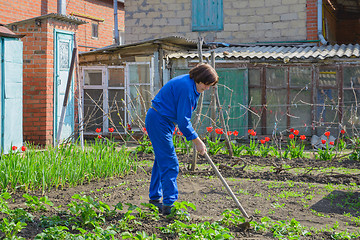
174, 104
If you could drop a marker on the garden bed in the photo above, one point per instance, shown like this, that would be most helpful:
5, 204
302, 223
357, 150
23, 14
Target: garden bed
308, 195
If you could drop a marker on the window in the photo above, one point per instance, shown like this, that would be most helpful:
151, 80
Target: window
327, 101
95, 30
139, 95
114, 96
282, 100
207, 15
351, 98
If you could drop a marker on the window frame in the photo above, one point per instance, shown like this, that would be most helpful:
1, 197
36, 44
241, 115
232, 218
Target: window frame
95, 30
201, 16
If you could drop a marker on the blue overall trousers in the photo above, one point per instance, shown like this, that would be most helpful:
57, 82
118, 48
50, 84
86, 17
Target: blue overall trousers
166, 165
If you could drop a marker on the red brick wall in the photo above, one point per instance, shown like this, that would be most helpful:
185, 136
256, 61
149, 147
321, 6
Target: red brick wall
311, 20
38, 53
13, 11
38, 80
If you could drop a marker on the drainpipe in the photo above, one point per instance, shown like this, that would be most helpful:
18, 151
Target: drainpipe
320, 25
116, 28
61, 7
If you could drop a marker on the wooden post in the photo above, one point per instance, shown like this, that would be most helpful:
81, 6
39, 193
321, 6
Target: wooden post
199, 108
222, 120
81, 123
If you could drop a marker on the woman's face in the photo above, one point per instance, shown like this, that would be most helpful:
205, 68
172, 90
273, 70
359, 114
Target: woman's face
201, 87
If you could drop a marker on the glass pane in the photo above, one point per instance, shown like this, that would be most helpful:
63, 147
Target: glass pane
327, 77
276, 110
300, 111
140, 102
351, 111
116, 77
117, 109
139, 73
275, 77
351, 77
93, 77
326, 107
300, 77
255, 109
93, 115
64, 61
254, 77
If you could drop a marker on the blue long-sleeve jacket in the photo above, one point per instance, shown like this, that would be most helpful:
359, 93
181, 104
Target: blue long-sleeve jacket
176, 101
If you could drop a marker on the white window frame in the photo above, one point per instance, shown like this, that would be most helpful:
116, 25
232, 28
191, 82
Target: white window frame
127, 76
105, 88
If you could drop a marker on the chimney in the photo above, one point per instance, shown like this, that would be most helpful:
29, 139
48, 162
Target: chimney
62, 7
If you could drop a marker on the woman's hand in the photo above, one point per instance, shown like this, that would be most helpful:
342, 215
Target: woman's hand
199, 145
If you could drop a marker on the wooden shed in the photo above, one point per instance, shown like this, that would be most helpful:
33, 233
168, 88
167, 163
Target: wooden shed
119, 82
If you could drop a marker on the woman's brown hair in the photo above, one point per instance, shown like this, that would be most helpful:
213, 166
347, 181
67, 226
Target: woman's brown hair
204, 73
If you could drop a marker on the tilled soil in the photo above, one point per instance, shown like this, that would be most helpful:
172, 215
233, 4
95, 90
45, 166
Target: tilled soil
259, 192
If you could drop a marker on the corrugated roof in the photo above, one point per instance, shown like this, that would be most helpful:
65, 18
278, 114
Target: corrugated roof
279, 52
57, 16
176, 40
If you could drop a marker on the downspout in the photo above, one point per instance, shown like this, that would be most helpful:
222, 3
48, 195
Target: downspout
319, 24
61, 8
116, 28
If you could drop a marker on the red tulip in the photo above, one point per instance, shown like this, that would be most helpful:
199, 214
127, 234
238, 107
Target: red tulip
236, 133
296, 132
323, 141
23, 148
98, 130
229, 133
219, 131
267, 139
262, 141
291, 136
179, 133
128, 127
111, 130
331, 143
342, 131
302, 137
327, 134
14, 148
209, 129
291, 130
99, 136
252, 132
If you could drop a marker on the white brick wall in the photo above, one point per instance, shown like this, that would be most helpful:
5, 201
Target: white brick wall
244, 20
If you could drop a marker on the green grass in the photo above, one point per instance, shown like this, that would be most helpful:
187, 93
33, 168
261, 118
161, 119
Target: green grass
64, 166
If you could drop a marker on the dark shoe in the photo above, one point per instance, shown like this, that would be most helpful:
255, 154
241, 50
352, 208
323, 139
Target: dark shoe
166, 210
157, 204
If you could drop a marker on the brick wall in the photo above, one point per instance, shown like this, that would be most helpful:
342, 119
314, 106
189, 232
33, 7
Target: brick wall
13, 11
38, 80
244, 20
311, 20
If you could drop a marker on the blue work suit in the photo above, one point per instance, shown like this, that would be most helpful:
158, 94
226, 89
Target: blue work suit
174, 104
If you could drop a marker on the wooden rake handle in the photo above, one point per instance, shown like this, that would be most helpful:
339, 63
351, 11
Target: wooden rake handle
226, 185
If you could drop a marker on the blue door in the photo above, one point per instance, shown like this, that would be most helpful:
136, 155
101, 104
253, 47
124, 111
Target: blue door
11, 51
63, 47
